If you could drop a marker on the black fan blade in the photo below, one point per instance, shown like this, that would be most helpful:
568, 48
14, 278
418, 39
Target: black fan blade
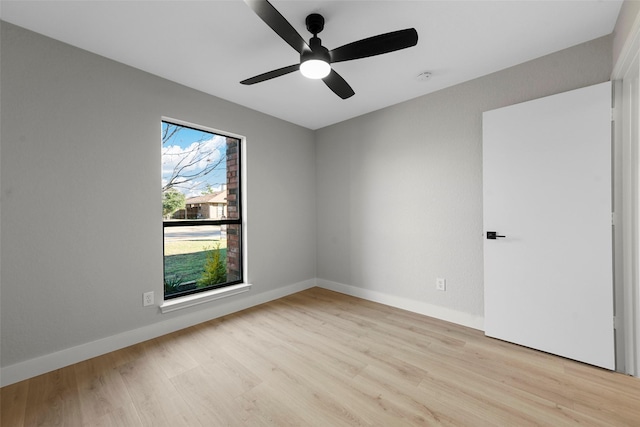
376, 45
338, 85
271, 74
278, 23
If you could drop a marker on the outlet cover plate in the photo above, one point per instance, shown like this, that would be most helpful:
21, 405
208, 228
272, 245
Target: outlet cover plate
147, 299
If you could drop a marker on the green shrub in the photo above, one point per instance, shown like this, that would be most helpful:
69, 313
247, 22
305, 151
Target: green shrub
215, 268
171, 283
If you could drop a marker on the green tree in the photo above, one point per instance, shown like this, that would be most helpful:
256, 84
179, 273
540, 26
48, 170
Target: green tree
215, 269
172, 200
208, 190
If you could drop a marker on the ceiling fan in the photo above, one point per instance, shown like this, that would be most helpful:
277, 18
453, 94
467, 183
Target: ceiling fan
315, 59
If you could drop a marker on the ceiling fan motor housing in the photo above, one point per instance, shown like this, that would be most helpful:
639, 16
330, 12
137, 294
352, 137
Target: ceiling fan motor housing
317, 51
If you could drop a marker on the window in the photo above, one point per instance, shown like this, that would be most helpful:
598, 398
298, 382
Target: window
201, 210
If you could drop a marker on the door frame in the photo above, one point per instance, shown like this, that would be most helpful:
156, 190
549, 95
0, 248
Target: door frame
626, 189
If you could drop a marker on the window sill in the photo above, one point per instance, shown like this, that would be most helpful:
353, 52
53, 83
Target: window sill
203, 297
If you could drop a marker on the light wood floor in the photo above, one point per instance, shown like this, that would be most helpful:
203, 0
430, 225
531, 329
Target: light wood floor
320, 358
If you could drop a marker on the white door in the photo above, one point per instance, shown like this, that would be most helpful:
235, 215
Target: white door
547, 188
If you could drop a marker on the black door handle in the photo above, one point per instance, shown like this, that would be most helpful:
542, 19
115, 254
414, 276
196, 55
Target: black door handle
493, 235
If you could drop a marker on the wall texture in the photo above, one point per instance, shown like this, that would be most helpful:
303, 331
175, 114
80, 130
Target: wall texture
400, 189
81, 200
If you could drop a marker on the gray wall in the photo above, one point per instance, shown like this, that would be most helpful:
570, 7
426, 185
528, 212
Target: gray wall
400, 189
81, 200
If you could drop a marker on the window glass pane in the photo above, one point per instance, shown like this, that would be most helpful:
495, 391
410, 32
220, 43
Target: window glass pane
201, 195
194, 172
190, 257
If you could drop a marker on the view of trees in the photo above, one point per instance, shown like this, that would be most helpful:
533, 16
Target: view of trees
185, 165
194, 163
172, 200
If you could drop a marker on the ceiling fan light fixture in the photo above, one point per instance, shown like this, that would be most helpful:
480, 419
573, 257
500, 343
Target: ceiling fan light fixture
315, 63
315, 69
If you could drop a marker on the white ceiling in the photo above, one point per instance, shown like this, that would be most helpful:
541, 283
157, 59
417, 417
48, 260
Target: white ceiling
212, 45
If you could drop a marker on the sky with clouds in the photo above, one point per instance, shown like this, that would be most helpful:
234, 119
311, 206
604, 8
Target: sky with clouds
198, 149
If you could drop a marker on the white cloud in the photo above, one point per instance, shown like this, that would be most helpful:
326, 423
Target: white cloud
194, 158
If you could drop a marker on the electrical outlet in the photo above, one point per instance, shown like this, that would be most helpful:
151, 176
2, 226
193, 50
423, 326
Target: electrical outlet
441, 284
147, 298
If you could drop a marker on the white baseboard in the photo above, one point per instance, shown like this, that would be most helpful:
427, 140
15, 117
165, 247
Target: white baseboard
442, 313
49, 362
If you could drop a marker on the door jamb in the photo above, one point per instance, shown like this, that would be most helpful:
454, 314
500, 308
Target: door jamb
627, 209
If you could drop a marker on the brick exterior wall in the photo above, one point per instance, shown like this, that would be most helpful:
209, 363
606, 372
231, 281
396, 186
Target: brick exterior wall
234, 259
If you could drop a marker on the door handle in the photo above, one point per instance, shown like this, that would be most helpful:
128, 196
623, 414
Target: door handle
493, 235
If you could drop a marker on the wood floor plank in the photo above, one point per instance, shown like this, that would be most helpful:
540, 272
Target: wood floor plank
101, 390
156, 399
13, 404
53, 399
268, 406
123, 416
320, 358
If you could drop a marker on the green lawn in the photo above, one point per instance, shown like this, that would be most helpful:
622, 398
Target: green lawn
185, 259
191, 246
